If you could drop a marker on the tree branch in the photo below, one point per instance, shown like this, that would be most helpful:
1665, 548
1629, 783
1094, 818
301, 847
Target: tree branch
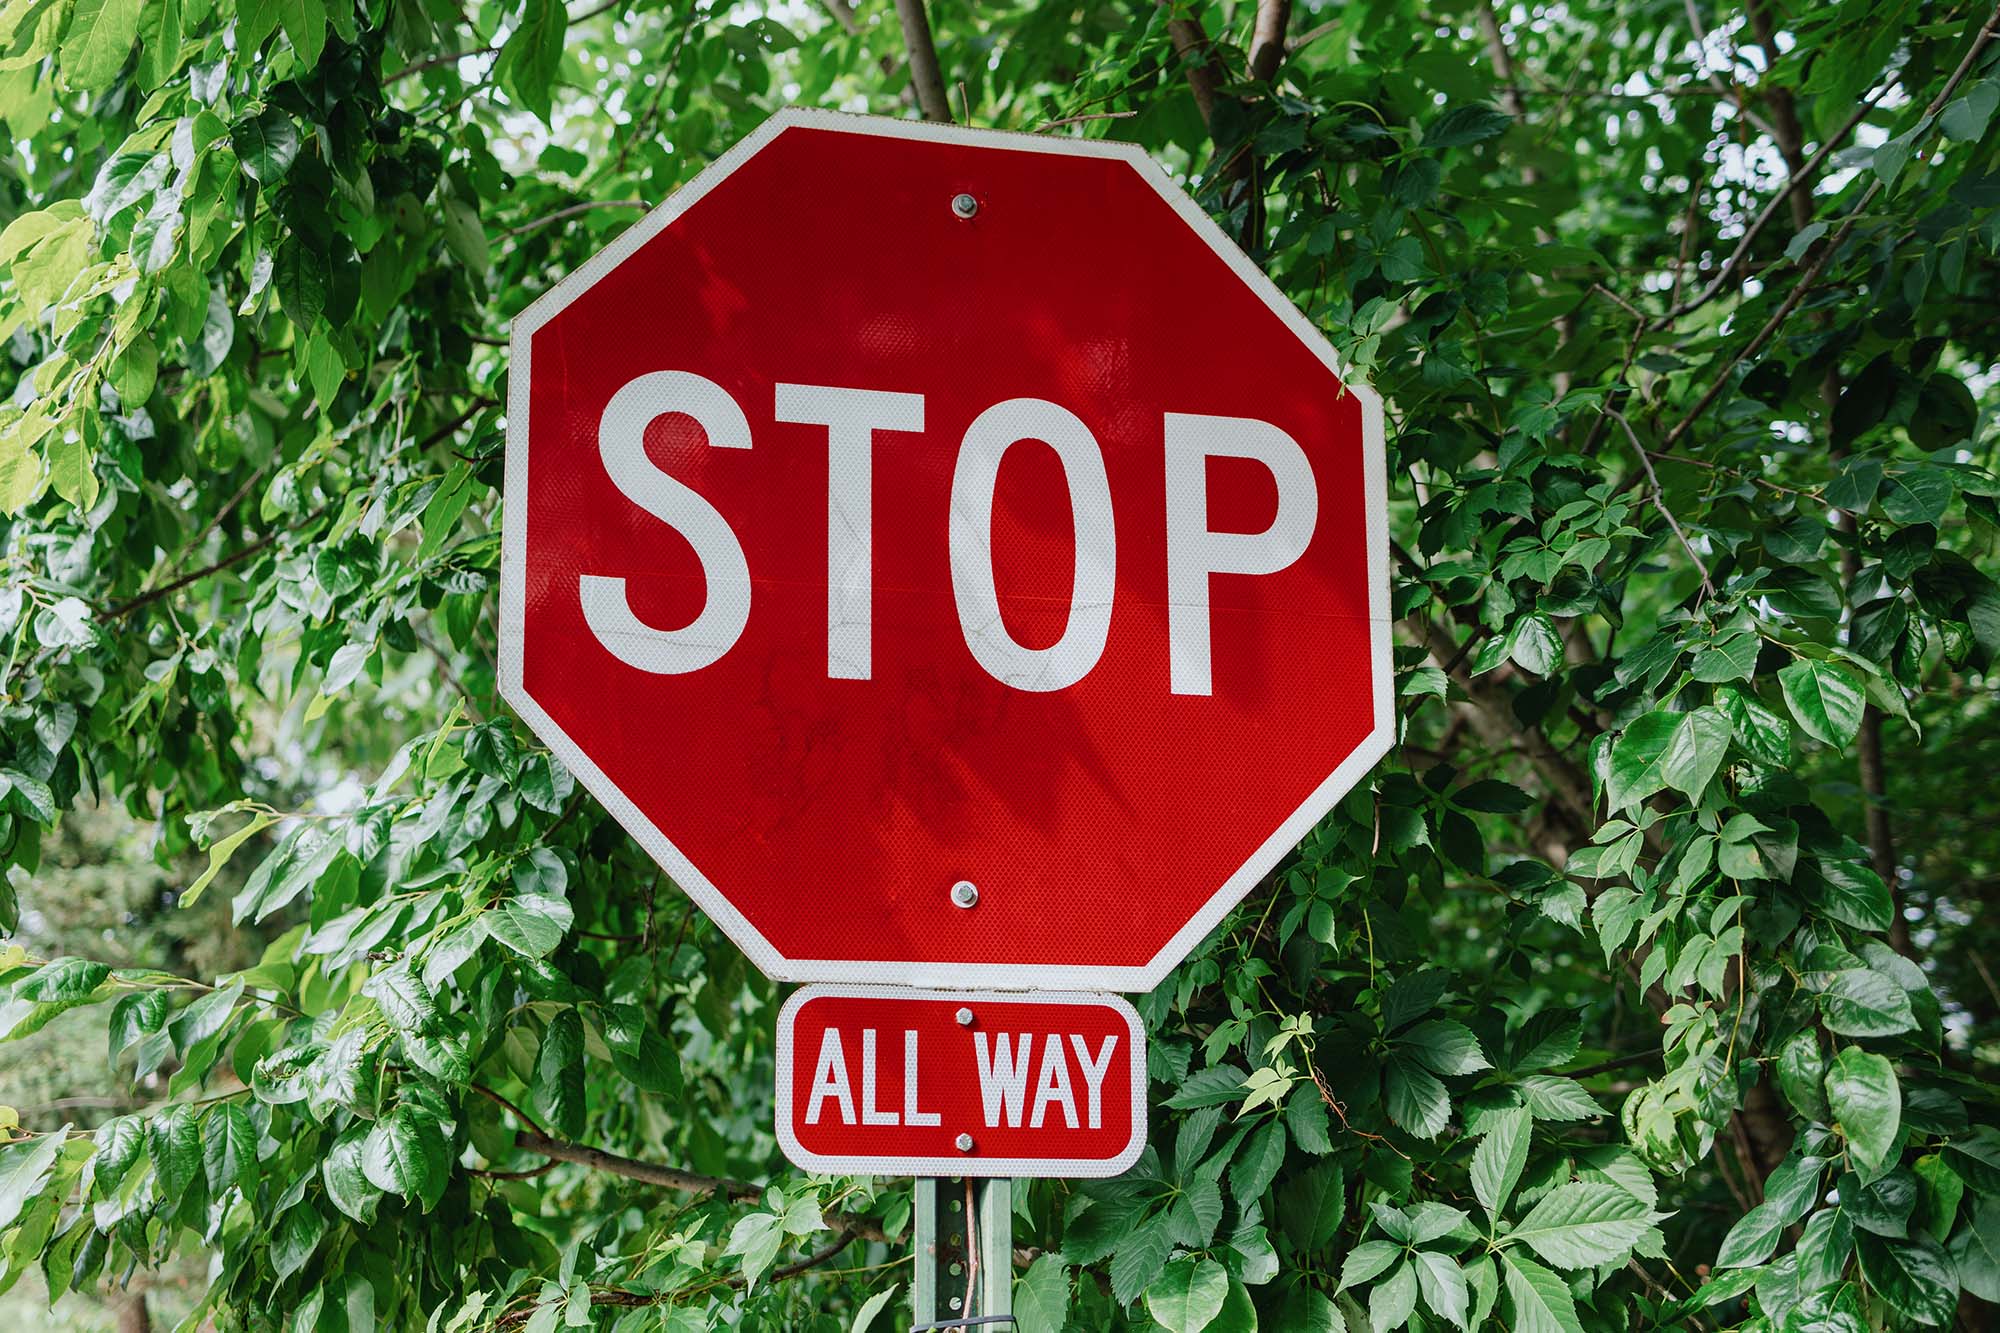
1267, 38
925, 75
673, 1178
1659, 500
229, 561
1198, 60
630, 1300
571, 211
1734, 264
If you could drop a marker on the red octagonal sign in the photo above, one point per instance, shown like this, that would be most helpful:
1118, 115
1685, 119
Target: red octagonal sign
946, 553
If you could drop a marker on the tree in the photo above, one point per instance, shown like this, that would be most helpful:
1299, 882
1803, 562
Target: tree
1645, 984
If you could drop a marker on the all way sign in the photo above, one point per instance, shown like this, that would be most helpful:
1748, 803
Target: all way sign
892, 1081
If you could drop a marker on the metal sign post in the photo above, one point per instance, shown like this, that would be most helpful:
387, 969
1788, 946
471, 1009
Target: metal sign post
964, 1236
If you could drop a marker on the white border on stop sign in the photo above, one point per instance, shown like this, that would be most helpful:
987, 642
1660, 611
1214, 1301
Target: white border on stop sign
1016, 976
961, 1164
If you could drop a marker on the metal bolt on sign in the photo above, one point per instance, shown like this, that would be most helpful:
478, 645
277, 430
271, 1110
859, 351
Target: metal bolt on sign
964, 893
964, 206
965, 1254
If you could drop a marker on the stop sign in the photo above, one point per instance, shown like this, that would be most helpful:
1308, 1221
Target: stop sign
946, 553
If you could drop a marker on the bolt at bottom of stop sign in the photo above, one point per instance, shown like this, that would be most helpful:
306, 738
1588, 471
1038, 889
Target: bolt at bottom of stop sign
896, 1081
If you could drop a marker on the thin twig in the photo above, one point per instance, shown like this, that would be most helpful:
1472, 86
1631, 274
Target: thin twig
218, 516
669, 1177
432, 62
643, 126
1078, 120
507, 1105
1659, 499
1734, 263
632, 1300
235, 558
571, 211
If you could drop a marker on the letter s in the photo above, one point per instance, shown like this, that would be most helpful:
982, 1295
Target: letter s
621, 441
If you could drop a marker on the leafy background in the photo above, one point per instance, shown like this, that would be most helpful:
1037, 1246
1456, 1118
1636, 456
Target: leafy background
1646, 984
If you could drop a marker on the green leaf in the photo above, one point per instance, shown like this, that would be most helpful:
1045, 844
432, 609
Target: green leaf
1731, 658
1754, 1238
1139, 1258
229, 1150
1444, 1046
757, 1238
533, 54
100, 36
1917, 495
1041, 1296
1541, 1300
1391, 1303
28, 795
301, 275
1415, 1100
403, 999
442, 511
134, 1016
1534, 645
1583, 1224
297, 1239
1311, 1204
1858, 1002
1499, 1158
1463, 125
71, 471
1854, 489
558, 1082
1553, 1098
533, 926
1695, 751
1825, 698
1187, 1295
1637, 759
1915, 1276
63, 981
405, 1154
1965, 118
1867, 1105
1801, 1071
174, 1137
24, 1169
347, 1181
219, 853
1851, 893
1443, 1285
651, 1063
1257, 1162
1975, 1251
266, 144
304, 22
1366, 1261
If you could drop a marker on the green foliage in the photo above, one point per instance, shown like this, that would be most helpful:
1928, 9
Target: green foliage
1655, 944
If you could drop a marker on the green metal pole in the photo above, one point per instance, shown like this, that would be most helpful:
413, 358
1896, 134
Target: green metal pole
964, 1238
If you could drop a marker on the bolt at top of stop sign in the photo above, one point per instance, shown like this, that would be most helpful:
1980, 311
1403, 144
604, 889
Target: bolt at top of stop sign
857, 547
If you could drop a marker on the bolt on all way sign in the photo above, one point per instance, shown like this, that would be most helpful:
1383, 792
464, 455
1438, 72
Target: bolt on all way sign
954, 561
